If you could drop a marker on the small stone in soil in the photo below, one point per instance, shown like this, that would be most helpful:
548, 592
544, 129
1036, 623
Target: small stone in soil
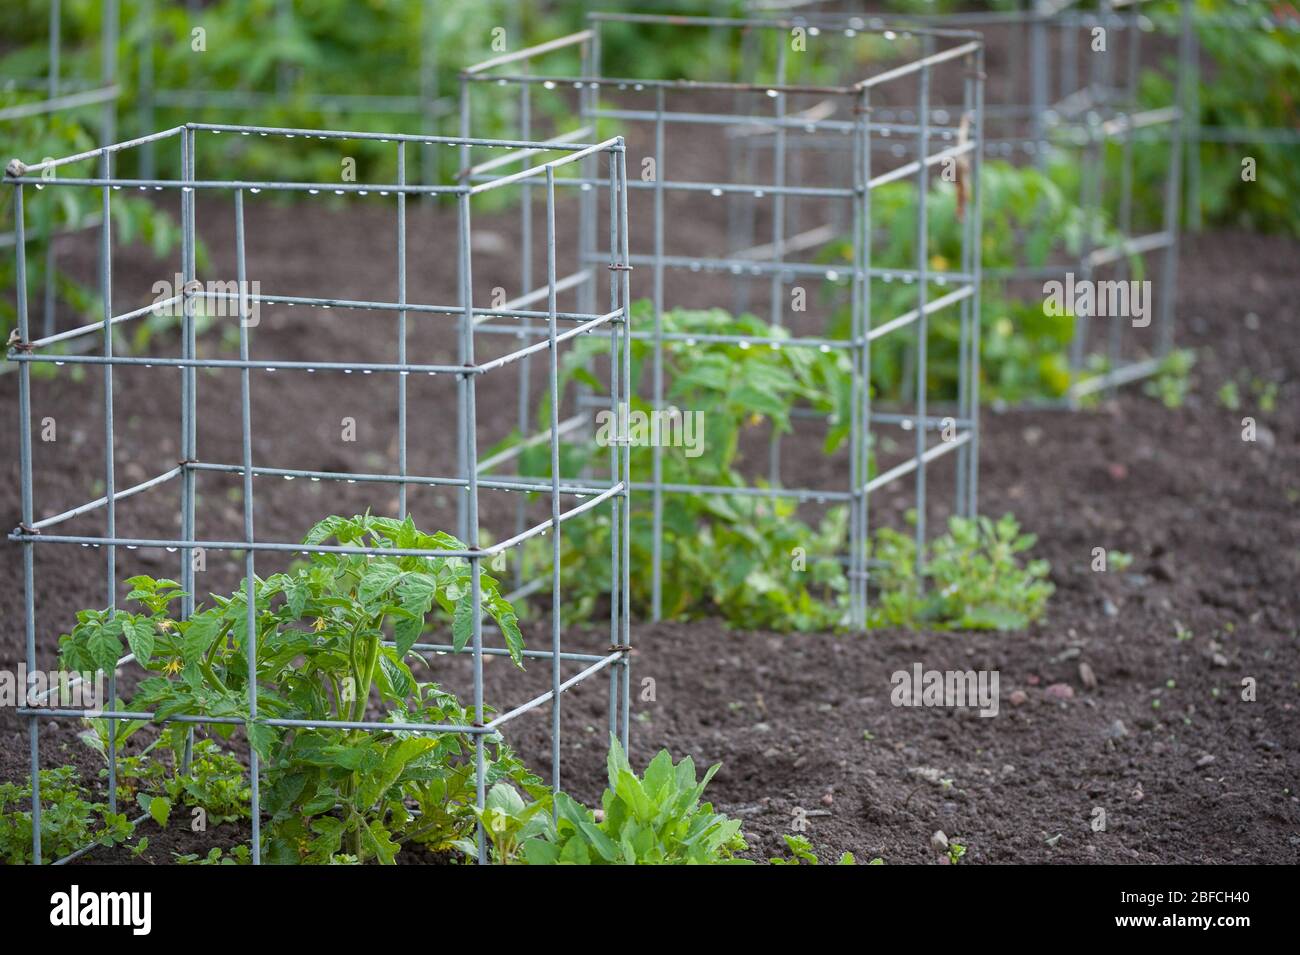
1060, 691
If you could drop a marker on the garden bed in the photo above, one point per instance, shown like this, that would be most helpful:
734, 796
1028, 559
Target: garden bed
1210, 597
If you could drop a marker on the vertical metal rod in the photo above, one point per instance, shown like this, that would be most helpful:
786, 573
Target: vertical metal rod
525, 285
656, 451
1173, 185
964, 320
47, 216
1189, 100
108, 71
554, 373
428, 158
1038, 76
860, 540
401, 331
588, 102
25, 477
1125, 221
250, 579
1090, 201
144, 84
189, 407
466, 330
469, 427
976, 258
110, 483
777, 289
616, 504
855, 388
625, 273
922, 321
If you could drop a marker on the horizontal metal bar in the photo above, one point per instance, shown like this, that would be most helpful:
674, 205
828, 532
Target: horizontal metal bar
76, 854
101, 501
831, 273
1116, 376
559, 43
914, 166
875, 25
773, 341
541, 437
934, 59
447, 649
291, 132
536, 295
1138, 245
94, 153
808, 239
609, 145
715, 188
930, 308
520, 154
484, 314
57, 103
640, 85
98, 327
1128, 122
549, 695
149, 362
373, 725
611, 492
495, 484
907, 467
338, 188
583, 329
76, 681
135, 543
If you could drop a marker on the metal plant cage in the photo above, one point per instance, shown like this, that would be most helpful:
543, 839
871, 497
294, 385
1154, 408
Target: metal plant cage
543, 331
803, 208
1058, 97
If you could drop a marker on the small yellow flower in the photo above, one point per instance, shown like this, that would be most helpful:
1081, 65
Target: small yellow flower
173, 666
319, 625
166, 626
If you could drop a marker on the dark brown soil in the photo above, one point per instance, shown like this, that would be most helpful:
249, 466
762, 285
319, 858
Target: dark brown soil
1184, 769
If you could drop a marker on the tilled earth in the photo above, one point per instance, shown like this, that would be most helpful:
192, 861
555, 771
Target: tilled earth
1161, 741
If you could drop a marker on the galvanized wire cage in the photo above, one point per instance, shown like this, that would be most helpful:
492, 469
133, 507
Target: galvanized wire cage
834, 200
1070, 89
542, 331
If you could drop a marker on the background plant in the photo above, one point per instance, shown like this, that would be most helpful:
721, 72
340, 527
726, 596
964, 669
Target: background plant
655, 819
973, 578
728, 555
71, 817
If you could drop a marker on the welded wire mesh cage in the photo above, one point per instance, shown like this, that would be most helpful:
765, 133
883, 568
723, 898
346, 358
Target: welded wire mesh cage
546, 329
1070, 96
803, 244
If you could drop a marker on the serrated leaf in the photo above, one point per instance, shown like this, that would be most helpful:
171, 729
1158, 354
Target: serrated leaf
140, 638
199, 635
462, 625
104, 647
